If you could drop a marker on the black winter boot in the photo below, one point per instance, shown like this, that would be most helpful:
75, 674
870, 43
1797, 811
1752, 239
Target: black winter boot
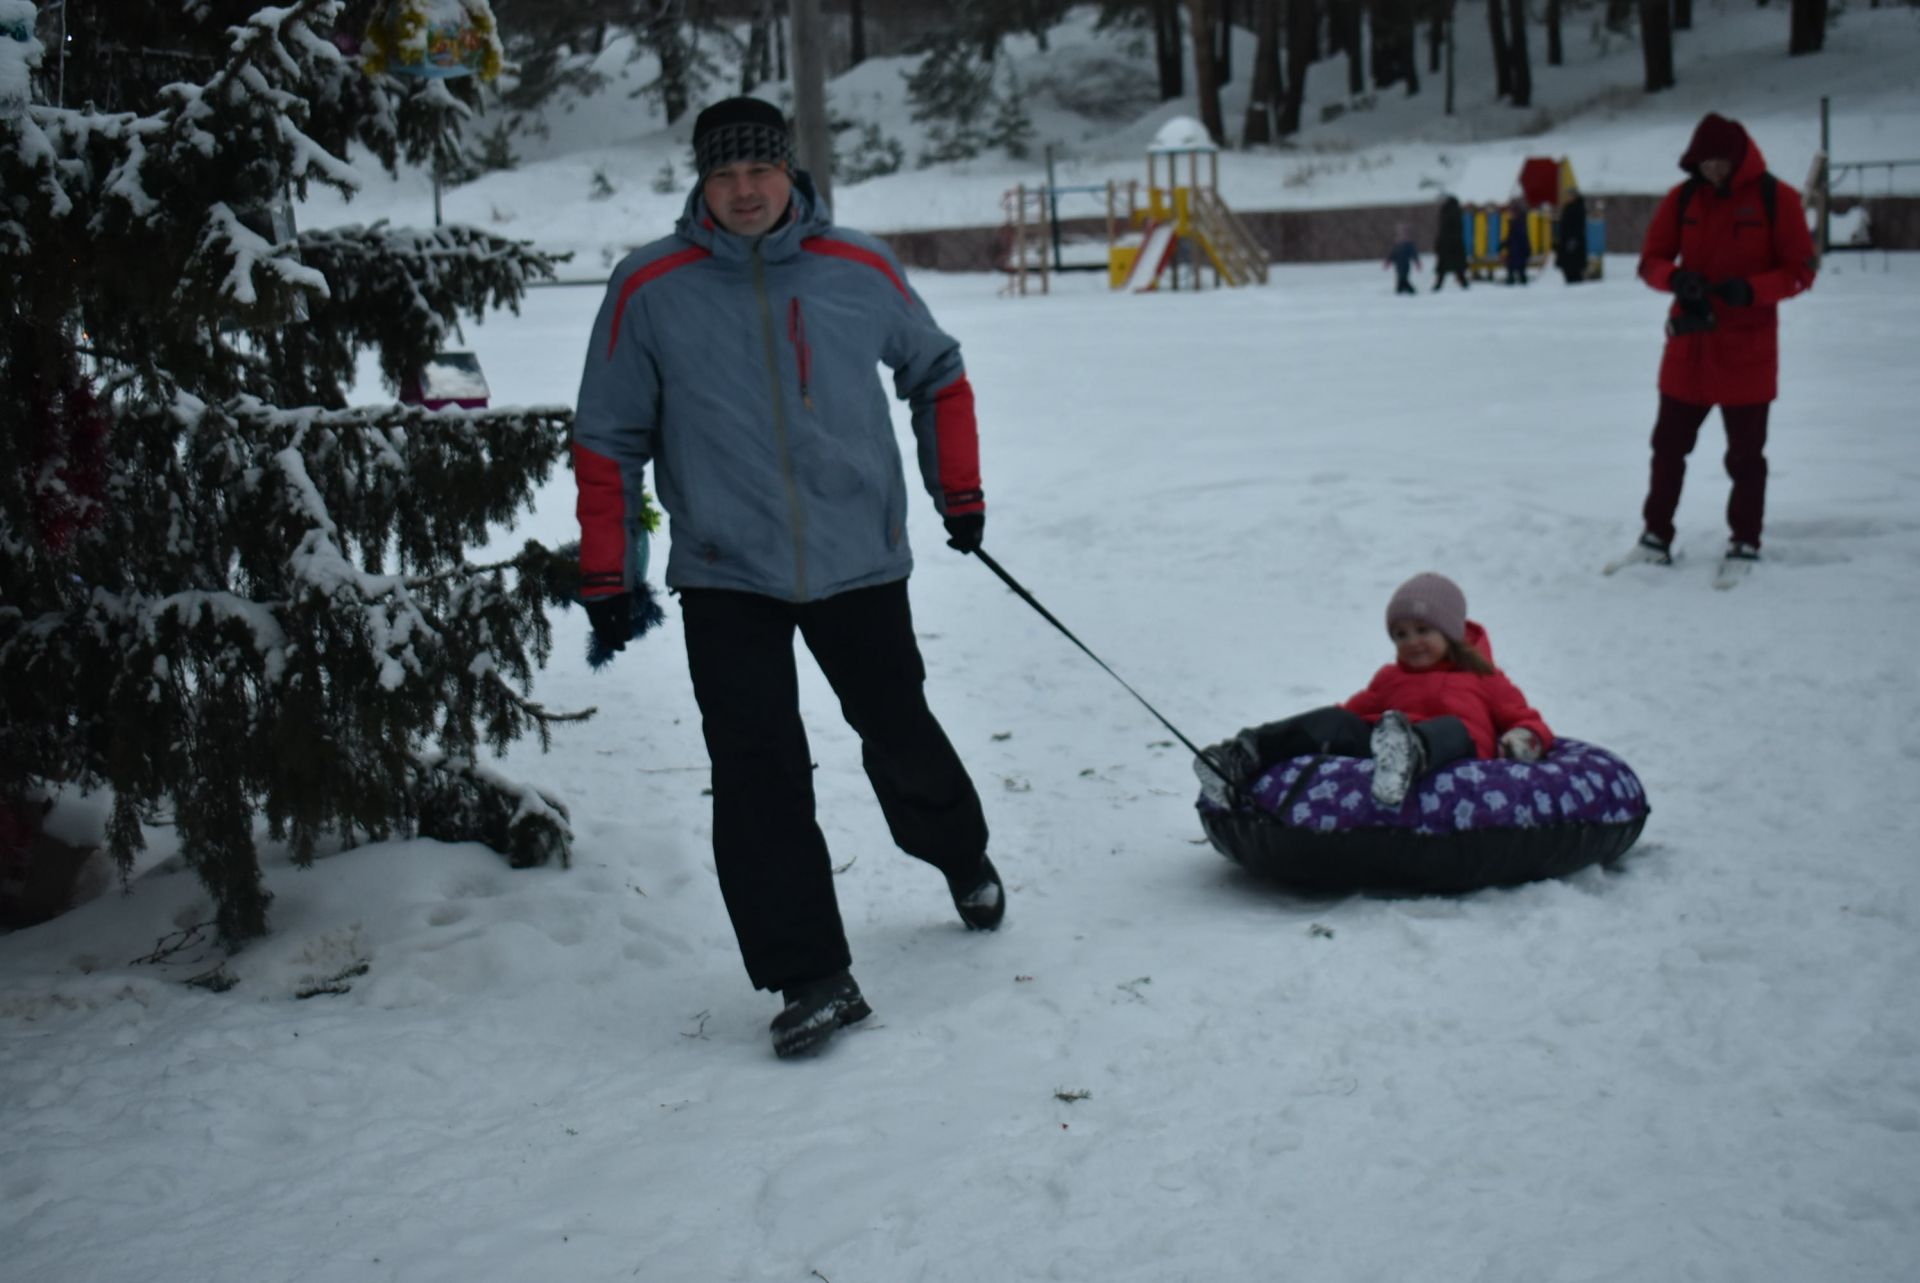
814, 1010
1239, 758
979, 896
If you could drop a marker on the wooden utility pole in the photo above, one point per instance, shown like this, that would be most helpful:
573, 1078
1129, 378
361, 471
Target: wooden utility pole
811, 138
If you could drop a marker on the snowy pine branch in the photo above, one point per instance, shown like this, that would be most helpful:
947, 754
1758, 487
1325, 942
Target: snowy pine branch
222, 589
399, 290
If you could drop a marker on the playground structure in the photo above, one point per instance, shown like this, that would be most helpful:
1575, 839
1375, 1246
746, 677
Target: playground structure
1826, 182
1170, 234
1544, 187
1184, 229
1032, 245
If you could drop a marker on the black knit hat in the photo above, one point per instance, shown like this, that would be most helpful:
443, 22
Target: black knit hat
740, 129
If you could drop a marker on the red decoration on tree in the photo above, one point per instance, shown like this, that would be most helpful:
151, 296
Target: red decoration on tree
69, 461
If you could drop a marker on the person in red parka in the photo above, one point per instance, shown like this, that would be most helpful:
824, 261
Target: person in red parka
1441, 700
1730, 243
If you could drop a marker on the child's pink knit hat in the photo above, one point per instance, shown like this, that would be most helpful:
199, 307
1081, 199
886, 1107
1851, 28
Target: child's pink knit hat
1431, 599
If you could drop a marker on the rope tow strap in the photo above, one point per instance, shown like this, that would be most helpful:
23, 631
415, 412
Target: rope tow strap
1047, 615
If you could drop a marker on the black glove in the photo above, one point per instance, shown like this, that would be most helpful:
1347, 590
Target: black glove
1735, 292
612, 620
1687, 286
964, 530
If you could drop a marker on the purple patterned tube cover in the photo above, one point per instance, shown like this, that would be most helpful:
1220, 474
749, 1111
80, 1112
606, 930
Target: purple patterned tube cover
1576, 783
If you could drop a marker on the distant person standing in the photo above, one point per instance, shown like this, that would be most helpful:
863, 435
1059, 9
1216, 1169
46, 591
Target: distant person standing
1404, 258
1570, 238
1730, 243
1519, 246
1450, 245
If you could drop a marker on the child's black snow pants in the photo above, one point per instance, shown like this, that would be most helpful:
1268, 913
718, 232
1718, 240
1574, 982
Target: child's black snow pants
1334, 730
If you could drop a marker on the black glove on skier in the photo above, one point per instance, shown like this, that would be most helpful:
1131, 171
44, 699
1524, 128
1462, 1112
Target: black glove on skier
964, 530
1688, 287
1735, 292
612, 620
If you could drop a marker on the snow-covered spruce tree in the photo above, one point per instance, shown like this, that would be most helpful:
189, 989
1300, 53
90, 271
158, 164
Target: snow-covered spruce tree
952, 95
223, 591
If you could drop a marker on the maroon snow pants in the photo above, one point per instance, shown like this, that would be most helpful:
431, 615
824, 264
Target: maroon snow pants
1674, 433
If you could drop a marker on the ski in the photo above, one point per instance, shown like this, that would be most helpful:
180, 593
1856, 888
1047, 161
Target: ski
1639, 555
1736, 564
1732, 571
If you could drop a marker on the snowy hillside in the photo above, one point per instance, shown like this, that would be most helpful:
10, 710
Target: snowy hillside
1091, 97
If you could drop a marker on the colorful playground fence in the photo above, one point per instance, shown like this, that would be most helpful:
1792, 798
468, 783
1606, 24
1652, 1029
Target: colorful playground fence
1487, 228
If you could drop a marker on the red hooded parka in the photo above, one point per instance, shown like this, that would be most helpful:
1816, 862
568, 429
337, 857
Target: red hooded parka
1487, 703
1725, 234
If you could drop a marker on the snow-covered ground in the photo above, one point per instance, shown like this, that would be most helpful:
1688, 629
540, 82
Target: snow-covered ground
1091, 96
1702, 1066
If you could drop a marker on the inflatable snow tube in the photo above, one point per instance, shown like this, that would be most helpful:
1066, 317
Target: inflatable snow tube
1312, 823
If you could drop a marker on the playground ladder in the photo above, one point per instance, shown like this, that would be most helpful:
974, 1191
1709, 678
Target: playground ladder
1237, 255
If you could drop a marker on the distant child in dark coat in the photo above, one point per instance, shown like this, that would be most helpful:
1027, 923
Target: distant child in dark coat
1441, 700
1519, 246
1404, 258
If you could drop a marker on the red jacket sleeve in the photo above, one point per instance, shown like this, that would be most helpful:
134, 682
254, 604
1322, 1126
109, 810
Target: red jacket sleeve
1510, 709
1793, 256
1662, 244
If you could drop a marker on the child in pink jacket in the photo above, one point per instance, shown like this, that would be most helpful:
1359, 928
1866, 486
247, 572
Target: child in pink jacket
1441, 700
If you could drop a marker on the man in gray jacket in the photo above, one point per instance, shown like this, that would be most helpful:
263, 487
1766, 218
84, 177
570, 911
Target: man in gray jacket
740, 357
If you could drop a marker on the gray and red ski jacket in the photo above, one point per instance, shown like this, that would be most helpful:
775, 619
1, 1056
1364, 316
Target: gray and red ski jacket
747, 372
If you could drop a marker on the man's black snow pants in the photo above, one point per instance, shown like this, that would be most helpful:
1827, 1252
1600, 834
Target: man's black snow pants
775, 873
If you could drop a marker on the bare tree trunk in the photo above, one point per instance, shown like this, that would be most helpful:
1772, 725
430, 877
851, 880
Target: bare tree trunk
666, 34
1620, 15
1683, 15
1223, 56
1656, 44
856, 32
780, 26
756, 56
1452, 16
1263, 96
1809, 27
1437, 37
812, 139
1497, 28
1169, 48
1556, 53
1303, 23
1205, 87
1521, 77
1347, 29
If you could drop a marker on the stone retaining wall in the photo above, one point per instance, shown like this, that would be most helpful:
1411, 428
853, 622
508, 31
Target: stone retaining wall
1359, 233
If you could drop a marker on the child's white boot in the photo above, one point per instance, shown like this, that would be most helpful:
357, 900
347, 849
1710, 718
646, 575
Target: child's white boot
1398, 757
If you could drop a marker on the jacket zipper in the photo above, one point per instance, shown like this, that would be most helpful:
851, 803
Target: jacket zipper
802, 354
796, 517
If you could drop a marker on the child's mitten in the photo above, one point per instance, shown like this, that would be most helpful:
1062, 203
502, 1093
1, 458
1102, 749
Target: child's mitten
1520, 744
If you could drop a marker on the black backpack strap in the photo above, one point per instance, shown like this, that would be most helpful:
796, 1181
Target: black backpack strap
1769, 196
1687, 189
